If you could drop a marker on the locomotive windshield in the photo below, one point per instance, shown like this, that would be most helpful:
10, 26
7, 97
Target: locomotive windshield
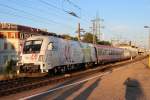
32, 46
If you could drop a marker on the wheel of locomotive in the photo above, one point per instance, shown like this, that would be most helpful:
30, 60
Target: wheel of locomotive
51, 72
82, 66
91, 64
79, 67
73, 67
68, 68
63, 69
56, 70
86, 66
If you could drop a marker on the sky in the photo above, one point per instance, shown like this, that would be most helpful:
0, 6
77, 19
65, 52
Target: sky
124, 20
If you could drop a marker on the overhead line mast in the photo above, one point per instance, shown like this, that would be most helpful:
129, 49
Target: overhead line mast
96, 28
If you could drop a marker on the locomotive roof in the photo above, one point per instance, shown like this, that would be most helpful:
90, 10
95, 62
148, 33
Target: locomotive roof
96, 45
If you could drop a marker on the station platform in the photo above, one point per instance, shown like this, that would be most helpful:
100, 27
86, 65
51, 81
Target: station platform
128, 82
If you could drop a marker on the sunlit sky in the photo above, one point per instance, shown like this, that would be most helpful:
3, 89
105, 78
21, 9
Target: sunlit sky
123, 19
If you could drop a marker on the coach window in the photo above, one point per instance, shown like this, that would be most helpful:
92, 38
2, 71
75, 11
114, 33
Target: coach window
50, 46
11, 35
5, 46
107, 52
1, 35
12, 47
113, 53
0, 60
104, 52
17, 35
101, 52
21, 36
4, 34
110, 52
98, 51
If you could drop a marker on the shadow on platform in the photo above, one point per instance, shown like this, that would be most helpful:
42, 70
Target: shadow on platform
69, 92
64, 95
86, 93
133, 90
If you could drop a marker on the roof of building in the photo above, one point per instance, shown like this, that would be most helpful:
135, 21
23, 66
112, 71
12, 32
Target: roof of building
22, 28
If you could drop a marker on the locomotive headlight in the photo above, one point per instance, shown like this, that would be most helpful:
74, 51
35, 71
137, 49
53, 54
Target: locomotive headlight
41, 58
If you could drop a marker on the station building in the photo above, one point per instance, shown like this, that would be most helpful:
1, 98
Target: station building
12, 38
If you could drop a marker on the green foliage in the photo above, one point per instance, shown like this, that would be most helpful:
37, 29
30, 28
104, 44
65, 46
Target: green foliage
65, 36
88, 37
104, 43
68, 37
75, 38
10, 66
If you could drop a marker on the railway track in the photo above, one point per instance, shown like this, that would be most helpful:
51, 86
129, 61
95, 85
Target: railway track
21, 84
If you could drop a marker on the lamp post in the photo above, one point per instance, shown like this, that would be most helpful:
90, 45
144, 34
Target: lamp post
148, 45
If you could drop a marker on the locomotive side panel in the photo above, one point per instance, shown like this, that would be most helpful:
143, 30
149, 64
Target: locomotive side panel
86, 49
76, 52
63, 52
52, 56
93, 53
68, 52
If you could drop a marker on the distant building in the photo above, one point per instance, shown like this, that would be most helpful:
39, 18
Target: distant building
126, 46
133, 49
115, 42
12, 37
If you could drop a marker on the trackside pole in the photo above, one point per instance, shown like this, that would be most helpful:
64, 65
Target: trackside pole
149, 60
131, 58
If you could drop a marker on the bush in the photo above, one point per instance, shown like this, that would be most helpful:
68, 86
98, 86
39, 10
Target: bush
10, 66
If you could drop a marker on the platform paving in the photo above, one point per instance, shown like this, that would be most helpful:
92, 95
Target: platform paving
130, 82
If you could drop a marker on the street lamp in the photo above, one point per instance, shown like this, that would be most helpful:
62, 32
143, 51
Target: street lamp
148, 46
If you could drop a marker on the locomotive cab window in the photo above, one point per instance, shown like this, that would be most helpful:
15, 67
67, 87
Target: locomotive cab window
32, 46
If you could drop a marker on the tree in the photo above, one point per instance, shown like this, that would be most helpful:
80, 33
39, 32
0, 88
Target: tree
88, 37
10, 66
75, 38
68, 37
65, 36
104, 43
